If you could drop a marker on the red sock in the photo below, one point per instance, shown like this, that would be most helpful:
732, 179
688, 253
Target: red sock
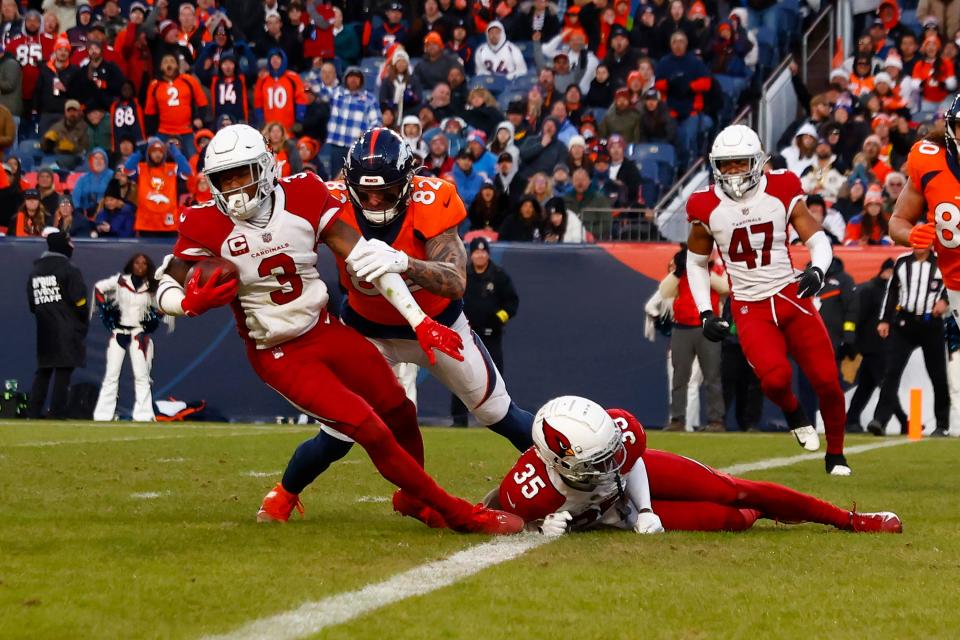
402, 421
834, 412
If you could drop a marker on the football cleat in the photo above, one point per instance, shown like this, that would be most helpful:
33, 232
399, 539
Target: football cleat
407, 505
807, 437
836, 464
278, 504
491, 522
876, 428
880, 522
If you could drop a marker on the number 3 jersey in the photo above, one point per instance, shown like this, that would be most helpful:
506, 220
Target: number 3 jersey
433, 208
281, 295
532, 490
937, 176
751, 234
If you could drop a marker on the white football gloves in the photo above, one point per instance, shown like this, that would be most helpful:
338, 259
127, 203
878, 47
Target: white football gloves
648, 522
555, 524
377, 258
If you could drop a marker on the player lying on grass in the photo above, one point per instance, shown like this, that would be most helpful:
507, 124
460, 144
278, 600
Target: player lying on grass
266, 232
590, 468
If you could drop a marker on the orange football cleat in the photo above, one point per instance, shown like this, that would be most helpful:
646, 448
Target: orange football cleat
880, 522
491, 522
407, 505
278, 505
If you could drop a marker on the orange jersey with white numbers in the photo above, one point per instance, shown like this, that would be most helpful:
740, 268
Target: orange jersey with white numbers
172, 101
434, 207
937, 177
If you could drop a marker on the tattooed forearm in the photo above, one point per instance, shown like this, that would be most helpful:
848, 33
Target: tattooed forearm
444, 273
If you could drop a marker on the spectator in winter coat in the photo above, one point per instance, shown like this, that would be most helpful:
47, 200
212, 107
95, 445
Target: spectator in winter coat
11, 84
538, 22
601, 91
507, 182
621, 59
822, 177
68, 138
801, 154
623, 170
482, 111
115, 216
400, 87
656, 123
542, 153
439, 162
352, 111
686, 80
498, 56
871, 226
727, 53
92, 185
523, 224
377, 39
484, 162
208, 60
591, 207
346, 43
485, 212
676, 20
467, 179
57, 81
830, 219
503, 142
621, 119
436, 63
933, 74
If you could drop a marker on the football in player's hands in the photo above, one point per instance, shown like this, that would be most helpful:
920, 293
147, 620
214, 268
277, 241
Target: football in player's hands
207, 267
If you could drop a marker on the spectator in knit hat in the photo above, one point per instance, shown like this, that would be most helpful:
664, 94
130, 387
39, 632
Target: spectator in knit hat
871, 153
436, 63
871, 226
621, 119
543, 152
934, 74
69, 138
656, 124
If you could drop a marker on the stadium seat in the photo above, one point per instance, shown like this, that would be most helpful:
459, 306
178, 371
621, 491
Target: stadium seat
495, 84
372, 63
663, 157
71, 182
767, 48
487, 234
598, 113
507, 97
526, 48
731, 87
26, 162
30, 147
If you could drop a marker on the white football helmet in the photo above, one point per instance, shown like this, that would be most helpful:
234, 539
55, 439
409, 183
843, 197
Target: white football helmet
240, 145
578, 439
738, 142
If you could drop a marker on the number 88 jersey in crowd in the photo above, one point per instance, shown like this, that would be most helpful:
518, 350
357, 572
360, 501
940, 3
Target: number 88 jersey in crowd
936, 175
751, 234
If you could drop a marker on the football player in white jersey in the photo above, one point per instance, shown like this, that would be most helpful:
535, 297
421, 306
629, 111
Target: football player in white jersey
269, 229
746, 214
589, 468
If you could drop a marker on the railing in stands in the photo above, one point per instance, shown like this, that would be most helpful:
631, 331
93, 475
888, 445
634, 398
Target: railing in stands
620, 224
818, 37
671, 209
778, 105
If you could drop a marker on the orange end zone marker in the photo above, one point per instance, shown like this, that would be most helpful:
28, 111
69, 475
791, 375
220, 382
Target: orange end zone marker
915, 424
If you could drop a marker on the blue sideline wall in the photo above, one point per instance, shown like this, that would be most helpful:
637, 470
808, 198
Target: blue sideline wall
579, 330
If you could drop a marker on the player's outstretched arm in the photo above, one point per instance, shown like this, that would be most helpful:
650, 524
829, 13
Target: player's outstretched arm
821, 253
906, 212
346, 243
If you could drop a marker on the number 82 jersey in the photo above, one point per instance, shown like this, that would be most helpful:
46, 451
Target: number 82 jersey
751, 234
937, 177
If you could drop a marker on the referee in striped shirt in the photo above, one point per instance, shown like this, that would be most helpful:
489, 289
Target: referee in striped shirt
911, 316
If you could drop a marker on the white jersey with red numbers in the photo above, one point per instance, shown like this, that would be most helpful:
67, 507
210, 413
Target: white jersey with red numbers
751, 234
532, 490
281, 295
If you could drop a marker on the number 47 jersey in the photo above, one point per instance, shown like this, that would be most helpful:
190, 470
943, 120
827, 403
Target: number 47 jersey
751, 234
937, 177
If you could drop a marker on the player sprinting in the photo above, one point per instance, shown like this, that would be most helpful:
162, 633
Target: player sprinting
746, 214
933, 183
590, 468
410, 227
269, 229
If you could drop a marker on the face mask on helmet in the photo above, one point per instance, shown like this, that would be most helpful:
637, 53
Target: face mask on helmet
379, 203
249, 187
595, 470
737, 181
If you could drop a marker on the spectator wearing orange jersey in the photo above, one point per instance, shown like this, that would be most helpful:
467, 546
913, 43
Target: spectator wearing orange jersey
156, 176
861, 79
278, 95
175, 104
934, 74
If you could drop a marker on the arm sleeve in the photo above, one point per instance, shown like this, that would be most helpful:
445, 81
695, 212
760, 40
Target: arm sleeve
821, 254
699, 278
394, 290
169, 291
638, 487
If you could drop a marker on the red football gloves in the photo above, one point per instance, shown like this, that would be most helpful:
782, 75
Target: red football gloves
433, 335
923, 235
199, 299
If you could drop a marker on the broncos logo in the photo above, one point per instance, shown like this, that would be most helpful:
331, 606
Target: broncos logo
557, 442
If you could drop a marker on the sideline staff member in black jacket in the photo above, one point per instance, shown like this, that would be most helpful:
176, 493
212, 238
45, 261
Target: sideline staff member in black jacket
57, 297
489, 302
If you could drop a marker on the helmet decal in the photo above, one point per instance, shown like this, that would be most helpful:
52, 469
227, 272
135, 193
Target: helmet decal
557, 442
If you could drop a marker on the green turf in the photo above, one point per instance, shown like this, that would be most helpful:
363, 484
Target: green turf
81, 556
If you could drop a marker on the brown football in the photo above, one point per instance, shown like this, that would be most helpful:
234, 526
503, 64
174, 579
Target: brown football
228, 270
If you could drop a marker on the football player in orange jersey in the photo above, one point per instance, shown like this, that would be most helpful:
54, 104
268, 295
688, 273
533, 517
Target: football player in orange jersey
933, 182
410, 224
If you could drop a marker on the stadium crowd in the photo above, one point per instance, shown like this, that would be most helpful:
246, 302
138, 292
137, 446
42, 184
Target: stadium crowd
551, 118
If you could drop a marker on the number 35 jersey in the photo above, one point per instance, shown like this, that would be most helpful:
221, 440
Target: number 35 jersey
751, 234
434, 207
281, 295
937, 177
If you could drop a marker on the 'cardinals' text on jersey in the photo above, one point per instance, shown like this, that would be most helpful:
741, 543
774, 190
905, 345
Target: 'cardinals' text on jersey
281, 294
434, 207
751, 234
937, 177
532, 490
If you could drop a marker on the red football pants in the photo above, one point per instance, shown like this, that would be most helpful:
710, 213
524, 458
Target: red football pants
769, 329
689, 496
336, 375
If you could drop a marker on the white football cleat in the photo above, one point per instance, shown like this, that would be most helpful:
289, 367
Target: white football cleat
807, 437
841, 470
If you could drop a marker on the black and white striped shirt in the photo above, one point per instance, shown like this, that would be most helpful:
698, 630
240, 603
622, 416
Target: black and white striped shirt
914, 288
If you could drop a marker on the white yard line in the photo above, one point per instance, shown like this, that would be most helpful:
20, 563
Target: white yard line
262, 474
149, 495
312, 617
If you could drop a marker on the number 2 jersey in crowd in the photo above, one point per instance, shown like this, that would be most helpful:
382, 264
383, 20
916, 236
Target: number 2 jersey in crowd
751, 234
281, 295
937, 176
533, 490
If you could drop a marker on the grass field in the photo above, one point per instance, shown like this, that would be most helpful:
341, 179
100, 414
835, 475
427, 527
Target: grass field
148, 532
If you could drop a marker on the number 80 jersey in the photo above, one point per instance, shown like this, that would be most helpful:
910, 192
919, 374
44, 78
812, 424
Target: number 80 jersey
937, 177
751, 234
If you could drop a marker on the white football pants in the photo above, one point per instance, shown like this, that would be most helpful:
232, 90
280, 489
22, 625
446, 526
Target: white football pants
406, 374
141, 360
